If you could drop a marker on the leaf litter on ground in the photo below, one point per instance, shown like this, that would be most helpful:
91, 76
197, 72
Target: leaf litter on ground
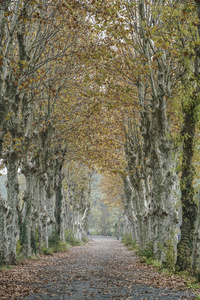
105, 264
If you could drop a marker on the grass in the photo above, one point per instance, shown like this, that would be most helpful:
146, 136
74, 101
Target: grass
34, 257
47, 251
147, 256
70, 239
147, 252
55, 245
128, 241
85, 240
4, 268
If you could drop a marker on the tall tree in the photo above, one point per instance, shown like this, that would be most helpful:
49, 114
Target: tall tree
78, 180
36, 39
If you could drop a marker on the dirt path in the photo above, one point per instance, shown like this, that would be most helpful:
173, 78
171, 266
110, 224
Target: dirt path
104, 269
100, 269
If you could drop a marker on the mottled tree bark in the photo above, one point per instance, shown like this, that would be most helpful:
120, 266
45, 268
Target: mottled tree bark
4, 215
78, 179
196, 245
12, 164
187, 190
59, 198
32, 208
43, 216
150, 148
129, 209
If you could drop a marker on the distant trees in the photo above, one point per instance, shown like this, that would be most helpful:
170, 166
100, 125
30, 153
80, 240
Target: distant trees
109, 211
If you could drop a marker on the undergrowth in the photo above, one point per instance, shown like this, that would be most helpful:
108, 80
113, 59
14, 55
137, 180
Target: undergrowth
54, 245
4, 268
71, 239
147, 252
128, 241
85, 240
147, 256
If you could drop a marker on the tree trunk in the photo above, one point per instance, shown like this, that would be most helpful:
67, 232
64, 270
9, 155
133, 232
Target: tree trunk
31, 199
129, 209
12, 164
187, 190
4, 215
59, 207
43, 216
196, 245
51, 196
78, 195
164, 218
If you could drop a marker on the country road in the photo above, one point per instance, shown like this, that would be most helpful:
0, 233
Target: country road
103, 269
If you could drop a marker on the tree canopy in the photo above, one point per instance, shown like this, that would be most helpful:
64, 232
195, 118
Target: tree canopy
108, 88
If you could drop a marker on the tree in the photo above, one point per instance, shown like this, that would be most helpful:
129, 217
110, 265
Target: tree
78, 180
149, 144
36, 39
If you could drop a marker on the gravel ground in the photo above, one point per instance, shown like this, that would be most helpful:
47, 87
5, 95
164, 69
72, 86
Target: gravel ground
104, 269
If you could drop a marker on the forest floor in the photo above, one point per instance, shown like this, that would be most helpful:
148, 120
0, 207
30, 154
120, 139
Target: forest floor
100, 269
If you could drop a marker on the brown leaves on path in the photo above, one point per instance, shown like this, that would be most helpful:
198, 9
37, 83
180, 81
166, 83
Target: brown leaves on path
16, 281
100, 269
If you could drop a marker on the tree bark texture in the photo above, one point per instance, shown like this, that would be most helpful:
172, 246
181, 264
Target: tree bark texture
149, 146
12, 164
187, 190
4, 216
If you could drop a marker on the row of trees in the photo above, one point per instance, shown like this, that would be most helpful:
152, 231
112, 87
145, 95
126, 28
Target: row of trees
151, 56
110, 86
43, 45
